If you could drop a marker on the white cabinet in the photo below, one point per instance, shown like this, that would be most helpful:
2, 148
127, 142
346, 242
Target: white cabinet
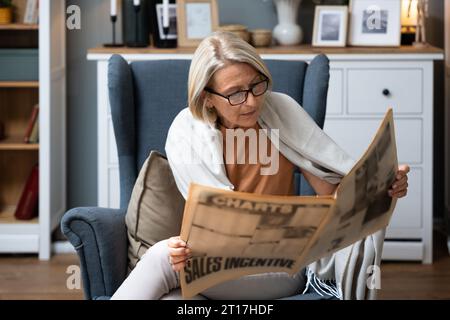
35, 236
368, 88
363, 84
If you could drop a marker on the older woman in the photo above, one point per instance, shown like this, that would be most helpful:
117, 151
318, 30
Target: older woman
229, 90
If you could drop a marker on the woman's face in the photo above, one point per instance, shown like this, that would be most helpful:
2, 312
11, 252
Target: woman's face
229, 80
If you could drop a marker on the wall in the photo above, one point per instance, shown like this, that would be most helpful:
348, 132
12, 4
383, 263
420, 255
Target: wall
435, 34
81, 102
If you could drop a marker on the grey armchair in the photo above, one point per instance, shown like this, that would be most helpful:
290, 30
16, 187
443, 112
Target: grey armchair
145, 97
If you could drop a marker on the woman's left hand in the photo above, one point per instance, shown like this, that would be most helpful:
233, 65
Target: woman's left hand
399, 188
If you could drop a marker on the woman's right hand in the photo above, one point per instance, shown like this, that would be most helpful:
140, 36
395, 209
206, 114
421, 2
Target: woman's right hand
179, 253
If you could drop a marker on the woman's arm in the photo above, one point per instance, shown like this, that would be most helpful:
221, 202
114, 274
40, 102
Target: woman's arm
399, 188
321, 187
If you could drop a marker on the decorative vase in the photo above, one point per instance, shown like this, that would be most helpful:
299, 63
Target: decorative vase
287, 32
5, 15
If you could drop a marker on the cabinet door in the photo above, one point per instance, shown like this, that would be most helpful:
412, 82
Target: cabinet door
52, 100
354, 135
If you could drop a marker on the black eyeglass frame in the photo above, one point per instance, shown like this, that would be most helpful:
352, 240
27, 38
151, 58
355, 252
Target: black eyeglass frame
246, 92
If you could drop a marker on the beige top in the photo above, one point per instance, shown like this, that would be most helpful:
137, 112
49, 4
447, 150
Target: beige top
247, 177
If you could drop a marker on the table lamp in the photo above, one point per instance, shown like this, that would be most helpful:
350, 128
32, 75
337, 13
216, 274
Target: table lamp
409, 21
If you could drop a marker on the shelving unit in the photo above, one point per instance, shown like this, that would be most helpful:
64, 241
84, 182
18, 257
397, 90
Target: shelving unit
17, 100
19, 26
16, 157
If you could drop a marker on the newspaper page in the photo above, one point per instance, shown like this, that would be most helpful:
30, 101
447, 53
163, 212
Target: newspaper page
363, 205
232, 234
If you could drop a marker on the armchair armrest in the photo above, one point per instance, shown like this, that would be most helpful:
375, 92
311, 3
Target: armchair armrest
100, 238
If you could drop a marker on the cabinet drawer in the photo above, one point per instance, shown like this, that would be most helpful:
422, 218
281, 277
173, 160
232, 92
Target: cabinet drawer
355, 135
335, 92
408, 211
372, 91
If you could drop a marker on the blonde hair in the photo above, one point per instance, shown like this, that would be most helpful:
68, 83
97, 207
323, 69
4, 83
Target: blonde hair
215, 52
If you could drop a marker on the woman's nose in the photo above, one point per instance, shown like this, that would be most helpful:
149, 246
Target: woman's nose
251, 99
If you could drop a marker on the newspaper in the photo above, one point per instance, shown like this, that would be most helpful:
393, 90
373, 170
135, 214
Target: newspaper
233, 234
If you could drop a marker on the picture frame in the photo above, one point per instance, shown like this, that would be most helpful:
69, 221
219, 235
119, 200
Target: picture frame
197, 19
330, 26
172, 31
375, 23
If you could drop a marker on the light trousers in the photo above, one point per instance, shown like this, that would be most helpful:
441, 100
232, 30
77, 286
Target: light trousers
153, 278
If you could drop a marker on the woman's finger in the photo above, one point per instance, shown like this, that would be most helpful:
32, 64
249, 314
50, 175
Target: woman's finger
396, 192
179, 251
178, 259
398, 183
402, 172
179, 266
176, 242
401, 180
400, 194
404, 168
399, 187
173, 240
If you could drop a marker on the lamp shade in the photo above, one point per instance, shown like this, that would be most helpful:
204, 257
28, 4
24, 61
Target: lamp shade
409, 13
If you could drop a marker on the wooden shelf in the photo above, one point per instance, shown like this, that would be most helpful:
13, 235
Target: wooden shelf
299, 49
7, 216
16, 143
19, 26
19, 84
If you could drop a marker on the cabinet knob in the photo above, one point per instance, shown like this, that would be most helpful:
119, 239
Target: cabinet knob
386, 92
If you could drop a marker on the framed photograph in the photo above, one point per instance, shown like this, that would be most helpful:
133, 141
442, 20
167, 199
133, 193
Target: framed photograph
168, 33
330, 26
375, 23
197, 19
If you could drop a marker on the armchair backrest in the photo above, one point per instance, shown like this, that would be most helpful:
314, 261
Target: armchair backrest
145, 97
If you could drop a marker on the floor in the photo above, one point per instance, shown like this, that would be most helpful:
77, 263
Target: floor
25, 277
409, 280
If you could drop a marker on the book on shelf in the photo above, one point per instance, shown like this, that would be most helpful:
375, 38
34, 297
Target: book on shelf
31, 15
31, 123
27, 208
34, 136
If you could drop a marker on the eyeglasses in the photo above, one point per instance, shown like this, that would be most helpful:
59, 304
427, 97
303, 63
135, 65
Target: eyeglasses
240, 97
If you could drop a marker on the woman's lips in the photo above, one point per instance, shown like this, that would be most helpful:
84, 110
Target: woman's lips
248, 113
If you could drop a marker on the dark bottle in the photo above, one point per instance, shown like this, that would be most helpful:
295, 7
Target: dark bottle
136, 23
163, 37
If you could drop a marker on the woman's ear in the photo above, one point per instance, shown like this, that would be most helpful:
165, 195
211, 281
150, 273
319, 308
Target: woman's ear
208, 103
